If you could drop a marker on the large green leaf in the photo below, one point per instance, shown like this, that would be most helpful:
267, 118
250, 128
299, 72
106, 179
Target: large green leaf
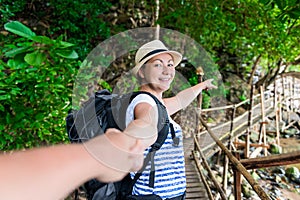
65, 44
19, 29
35, 59
67, 54
294, 13
17, 51
42, 40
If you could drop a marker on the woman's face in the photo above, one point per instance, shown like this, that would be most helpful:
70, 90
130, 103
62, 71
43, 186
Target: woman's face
158, 72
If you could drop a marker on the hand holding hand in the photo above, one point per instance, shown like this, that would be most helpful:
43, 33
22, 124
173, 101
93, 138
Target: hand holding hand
119, 152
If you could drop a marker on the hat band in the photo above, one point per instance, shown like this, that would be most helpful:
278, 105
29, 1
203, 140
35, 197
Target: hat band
153, 52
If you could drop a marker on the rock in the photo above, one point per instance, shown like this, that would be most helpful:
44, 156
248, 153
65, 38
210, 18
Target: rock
291, 132
255, 176
278, 179
275, 149
246, 190
278, 170
293, 173
231, 197
254, 196
219, 178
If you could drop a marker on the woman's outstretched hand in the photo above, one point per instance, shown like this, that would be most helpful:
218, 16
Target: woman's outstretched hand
207, 85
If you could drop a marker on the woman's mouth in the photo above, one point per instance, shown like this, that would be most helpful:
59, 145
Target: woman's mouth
165, 79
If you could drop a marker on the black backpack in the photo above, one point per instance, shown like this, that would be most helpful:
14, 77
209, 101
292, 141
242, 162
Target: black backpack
105, 110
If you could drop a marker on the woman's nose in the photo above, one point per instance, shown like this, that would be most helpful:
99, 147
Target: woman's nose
166, 68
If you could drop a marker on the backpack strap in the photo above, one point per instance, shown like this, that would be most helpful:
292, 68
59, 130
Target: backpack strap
163, 130
163, 120
174, 138
163, 127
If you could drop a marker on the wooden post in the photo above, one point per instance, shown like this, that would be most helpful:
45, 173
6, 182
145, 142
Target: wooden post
210, 173
200, 73
282, 97
226, 160
248, 132
289, 100
263, 118
261, 193
276, 109
293, 95
206, 185
237, 180
272, 161
156, 18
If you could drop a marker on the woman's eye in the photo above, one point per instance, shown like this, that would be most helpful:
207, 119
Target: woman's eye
170, 65
157, 65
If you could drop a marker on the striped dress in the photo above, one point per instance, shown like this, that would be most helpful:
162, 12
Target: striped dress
169, 180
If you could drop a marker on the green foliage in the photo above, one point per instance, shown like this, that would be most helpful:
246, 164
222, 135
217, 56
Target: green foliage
237, 32
242, 98
82, 21
294, 68
35, 89
37, 74
205, 100
9, 8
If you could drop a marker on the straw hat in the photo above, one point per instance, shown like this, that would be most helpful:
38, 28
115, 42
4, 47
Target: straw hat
151, 49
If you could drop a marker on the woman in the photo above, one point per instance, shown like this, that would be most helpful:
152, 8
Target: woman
155, 68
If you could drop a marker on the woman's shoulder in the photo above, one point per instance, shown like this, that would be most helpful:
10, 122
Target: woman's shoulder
143, 98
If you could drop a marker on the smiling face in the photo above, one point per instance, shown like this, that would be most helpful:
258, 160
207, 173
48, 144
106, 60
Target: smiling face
158, 73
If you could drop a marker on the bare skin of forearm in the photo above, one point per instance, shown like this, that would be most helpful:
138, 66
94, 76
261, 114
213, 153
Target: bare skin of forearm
54, 172
46, 173
144, 127
185, 97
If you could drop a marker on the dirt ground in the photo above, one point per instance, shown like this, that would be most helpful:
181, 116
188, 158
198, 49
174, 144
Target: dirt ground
290, 195
290, 144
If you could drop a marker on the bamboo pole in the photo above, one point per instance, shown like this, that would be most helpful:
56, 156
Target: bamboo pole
226, 160
243, 144
272, 161
225, 172
263, 195
276, 109
293, 94
156, 18
200, 74
237, 181
198, 164
247, 149
219, 188
263, 117
281, 92
230, 106
289, 101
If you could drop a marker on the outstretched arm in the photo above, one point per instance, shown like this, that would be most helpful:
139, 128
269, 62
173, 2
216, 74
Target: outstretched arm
144, 126
185, 97
53, 172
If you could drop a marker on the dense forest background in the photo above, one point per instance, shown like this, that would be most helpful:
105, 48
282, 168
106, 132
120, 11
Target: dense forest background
44, 42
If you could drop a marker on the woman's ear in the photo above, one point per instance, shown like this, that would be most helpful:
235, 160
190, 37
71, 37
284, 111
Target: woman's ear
141, 73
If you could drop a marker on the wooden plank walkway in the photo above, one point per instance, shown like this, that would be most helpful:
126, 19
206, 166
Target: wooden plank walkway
195, 188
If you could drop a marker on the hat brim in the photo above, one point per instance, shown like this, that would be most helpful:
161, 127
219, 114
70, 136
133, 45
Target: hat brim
177, 57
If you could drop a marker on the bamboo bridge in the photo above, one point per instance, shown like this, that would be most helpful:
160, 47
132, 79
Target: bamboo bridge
279, 101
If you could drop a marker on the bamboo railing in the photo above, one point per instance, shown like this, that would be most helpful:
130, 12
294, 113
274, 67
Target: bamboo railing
282, 95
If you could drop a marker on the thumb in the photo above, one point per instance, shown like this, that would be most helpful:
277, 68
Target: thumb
137, 155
